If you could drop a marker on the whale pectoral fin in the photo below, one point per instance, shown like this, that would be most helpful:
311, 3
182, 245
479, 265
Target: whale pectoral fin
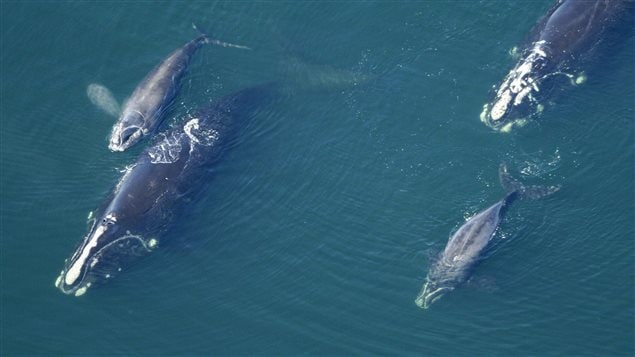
103, 99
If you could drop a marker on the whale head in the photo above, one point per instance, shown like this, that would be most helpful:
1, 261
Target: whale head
101, 255
128, 131
518, 96
430, 293
443, 276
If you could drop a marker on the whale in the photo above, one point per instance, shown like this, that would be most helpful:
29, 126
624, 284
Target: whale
558, 52
468, 245
155, 189
144, 110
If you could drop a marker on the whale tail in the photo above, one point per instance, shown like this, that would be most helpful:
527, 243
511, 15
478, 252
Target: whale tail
205, 38
515, 189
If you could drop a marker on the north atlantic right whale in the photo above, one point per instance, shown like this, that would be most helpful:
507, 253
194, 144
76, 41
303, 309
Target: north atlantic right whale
466, 246
143, 111
559, 48
148, 197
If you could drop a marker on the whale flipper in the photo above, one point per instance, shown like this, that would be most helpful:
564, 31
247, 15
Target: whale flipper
103, 99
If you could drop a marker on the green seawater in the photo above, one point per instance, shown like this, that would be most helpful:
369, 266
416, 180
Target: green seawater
316, 230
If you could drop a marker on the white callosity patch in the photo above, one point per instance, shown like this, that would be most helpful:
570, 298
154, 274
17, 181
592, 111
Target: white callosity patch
500, 107
484, 113
74, 272
75, 269
521, 95
152, 243
519, 83
167, 151
198, 135
81, 291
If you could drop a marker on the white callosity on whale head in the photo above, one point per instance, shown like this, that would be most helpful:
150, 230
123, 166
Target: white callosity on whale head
518, 85
72, 274
81, 291
431, 293
521, 95
500, 107
74, 271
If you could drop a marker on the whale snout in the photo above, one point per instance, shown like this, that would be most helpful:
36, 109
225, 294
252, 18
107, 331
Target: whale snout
508, 110
77, 288
123, 138
129, 130
430, 293
101, 256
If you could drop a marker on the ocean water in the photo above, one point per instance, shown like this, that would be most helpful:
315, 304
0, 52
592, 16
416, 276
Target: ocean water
317, 229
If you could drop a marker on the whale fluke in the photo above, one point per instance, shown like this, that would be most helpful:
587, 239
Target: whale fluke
512, 185
205, 38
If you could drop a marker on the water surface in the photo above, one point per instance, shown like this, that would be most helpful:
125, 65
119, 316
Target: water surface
318, 227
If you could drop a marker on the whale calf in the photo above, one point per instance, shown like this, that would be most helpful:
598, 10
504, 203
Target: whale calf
143, 111
466, 246
145, 201
559, 46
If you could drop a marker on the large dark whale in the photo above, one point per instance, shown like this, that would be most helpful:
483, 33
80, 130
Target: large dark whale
559, 48
465, 248
147, 197
143, 111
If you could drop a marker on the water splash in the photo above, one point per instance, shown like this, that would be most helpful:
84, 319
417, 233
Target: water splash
539, 164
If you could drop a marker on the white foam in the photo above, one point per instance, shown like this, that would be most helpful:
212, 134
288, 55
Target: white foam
205, 137
167, 151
